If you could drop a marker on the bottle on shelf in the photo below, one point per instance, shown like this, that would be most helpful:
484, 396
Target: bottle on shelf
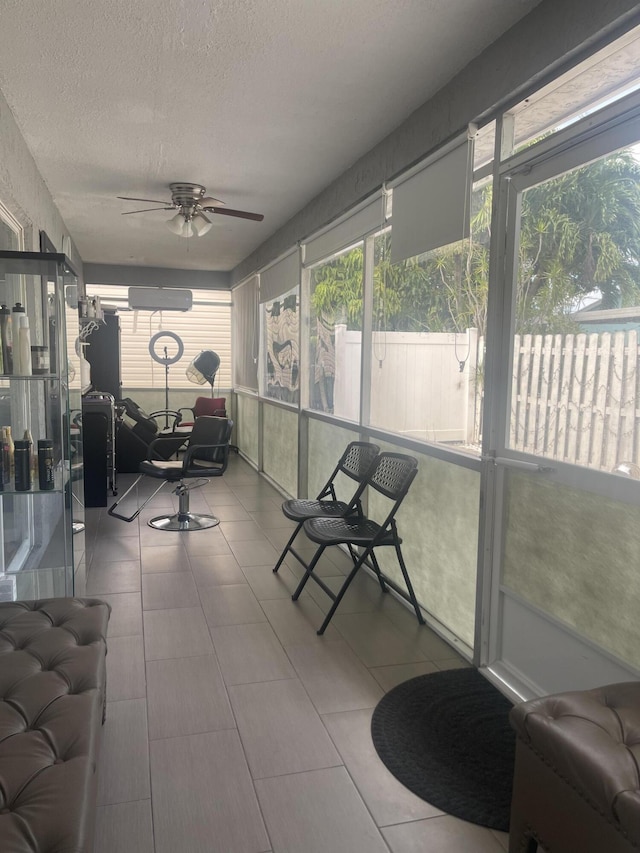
24, 345
17, 312
22, 465
45, 464
6, 340
33, 460
8, 455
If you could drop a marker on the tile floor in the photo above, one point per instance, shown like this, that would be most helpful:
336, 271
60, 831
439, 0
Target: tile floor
231, 726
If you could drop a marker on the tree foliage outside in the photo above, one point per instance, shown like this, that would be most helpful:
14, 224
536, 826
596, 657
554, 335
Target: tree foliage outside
579, 235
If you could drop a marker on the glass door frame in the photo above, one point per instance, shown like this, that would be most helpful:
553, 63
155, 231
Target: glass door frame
611, 128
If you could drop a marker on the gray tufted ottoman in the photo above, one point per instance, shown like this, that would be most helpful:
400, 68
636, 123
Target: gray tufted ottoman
52, 695
576, 787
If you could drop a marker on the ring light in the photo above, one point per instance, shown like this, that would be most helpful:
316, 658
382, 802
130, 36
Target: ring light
165, 359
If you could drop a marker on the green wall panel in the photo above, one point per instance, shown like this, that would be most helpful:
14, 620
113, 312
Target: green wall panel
576, 556
246, 427
280, 446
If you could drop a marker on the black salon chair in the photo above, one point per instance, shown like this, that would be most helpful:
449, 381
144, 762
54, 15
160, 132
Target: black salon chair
355, 463
390, 476
206, 455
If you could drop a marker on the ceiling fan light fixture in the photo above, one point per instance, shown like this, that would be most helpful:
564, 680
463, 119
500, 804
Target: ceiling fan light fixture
177, 225
200, 224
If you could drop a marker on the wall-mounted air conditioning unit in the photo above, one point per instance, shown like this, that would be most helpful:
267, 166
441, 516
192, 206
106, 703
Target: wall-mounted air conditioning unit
159, 299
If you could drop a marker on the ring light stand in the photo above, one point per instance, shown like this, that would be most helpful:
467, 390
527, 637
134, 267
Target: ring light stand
166, 359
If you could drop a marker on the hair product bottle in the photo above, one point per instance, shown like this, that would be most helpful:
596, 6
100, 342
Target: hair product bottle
45, 464
6, 340
22, 465
17, 312
24, 345
10, 450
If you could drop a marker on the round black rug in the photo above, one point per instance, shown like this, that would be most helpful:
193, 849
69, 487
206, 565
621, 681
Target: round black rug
447, 738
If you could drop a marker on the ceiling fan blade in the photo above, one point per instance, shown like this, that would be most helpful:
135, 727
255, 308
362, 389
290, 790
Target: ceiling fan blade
146, 210
209, 201
242, 214
151, 200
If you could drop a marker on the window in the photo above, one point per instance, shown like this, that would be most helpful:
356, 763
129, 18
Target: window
575, 389
206, 326
281, 336
429, 326
335, 335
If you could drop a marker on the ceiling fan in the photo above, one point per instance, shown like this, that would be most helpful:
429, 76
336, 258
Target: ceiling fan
191, 203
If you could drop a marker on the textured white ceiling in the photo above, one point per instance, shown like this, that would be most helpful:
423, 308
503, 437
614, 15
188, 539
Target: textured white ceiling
262, 101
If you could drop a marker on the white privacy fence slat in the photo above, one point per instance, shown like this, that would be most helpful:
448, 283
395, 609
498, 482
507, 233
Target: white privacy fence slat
575, 398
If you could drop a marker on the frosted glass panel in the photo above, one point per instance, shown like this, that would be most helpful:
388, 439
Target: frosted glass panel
438, 523
280, 446
575, 556
326, 444
246, 426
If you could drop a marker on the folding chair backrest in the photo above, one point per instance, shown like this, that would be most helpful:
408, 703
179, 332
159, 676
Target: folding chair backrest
392, 475
357, 459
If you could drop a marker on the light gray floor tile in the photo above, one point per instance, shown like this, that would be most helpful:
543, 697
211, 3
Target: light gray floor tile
386, 798
259, 503
390, 676
233, 604
115, 549
207, 542
176, 633
124, 828
266, 585
215, 570
445, 834
123, 769
280, 729
221, 497
255, 552
228, 512
107, 525
163, 558
186, 696
274, 519
375, 640
317, 812
113, 577
152, 538
241, 531
324, 568
361, 595
452, 663
166, 590
334, 677
203, 799
297, 621
503, 839
126, 614
249, 653
125, 668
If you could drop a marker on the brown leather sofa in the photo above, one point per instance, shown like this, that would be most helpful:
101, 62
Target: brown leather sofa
577, 780
52, 700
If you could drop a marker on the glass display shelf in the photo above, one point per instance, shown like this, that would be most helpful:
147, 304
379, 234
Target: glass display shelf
40, 552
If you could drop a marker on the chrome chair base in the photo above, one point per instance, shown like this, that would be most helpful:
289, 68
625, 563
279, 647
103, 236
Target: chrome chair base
183, 521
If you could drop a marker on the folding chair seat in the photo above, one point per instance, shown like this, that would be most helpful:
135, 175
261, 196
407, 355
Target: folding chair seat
391, 476
355, 462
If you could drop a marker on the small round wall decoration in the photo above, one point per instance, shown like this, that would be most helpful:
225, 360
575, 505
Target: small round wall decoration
166, 359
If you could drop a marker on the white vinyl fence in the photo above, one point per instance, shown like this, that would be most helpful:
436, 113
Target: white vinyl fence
575, 398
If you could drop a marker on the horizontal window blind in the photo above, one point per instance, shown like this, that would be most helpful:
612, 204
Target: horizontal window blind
280, 278
246, 335
206, 326
432, 207
351, 229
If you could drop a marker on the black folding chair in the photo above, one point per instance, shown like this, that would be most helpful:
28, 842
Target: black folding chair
356, 463
391, 476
